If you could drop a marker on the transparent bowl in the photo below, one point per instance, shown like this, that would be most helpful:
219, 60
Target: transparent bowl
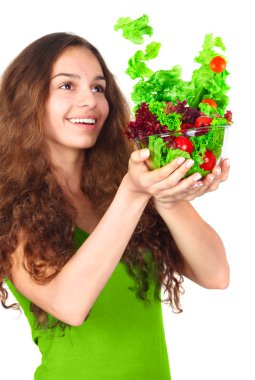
206, 146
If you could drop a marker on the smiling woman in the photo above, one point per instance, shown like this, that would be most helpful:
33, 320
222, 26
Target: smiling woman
77, 108
88, 235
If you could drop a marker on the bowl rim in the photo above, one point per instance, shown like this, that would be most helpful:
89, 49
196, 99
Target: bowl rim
185, 132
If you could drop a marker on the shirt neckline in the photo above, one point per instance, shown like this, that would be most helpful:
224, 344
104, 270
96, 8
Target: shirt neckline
79, 229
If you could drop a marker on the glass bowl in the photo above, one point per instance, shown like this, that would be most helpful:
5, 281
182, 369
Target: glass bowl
206, 146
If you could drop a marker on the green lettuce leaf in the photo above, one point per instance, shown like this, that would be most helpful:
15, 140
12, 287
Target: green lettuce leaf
207, 53
161, 154
219, 121
152, 50
133, 30
162, 85
157, 147
172, 154
136, 66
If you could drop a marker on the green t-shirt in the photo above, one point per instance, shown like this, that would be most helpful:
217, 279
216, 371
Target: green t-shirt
122, 339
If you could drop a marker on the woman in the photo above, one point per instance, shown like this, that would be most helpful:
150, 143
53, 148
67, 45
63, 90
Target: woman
89, 236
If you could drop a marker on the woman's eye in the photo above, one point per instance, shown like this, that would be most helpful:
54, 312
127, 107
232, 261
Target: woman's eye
98, 88
66, 86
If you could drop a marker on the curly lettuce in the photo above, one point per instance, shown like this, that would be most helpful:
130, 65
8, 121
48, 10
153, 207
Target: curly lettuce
161, 154
162, 85
133, 30
137, 68
171, 120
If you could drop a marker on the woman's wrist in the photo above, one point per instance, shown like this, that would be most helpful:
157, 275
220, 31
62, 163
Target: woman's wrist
132, 191
170, 206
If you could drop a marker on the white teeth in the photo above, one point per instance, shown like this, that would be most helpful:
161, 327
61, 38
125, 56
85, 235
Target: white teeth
83, 121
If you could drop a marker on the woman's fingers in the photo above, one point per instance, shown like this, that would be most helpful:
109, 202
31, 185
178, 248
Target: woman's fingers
218, 175
182, 190
139, 156
225, 167
170, 174
194, 185
212, 181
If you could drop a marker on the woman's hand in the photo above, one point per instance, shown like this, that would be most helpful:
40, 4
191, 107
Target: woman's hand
200, 186
167, 184
212, 181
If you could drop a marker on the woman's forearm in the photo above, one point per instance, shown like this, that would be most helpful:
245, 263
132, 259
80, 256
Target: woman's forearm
201, 247
86, 273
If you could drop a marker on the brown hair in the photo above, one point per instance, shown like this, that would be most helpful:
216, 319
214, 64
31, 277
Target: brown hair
32, 200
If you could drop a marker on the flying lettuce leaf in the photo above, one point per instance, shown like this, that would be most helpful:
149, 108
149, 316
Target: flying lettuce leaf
133, 30
136, 66
152, 50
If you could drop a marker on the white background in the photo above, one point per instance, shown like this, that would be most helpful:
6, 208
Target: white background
214, 337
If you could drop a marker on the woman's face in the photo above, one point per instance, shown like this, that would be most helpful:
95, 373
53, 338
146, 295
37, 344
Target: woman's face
76, 108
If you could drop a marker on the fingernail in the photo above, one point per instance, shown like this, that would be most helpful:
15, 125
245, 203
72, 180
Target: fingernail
189, 163
180, 160
218, 171
227, 162
145, 153
196, 177
211, 178
197, 184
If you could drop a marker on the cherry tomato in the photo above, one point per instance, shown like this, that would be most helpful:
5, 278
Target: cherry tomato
202, 122
209, 161
211, 102
218, 64
183, 143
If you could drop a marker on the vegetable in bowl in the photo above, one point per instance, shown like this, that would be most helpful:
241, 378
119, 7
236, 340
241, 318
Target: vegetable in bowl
203, 143
191, 115
205, 150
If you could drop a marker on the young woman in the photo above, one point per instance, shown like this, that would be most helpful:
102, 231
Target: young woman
88, 236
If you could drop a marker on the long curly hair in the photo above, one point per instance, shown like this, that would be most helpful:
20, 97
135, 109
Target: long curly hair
33, 203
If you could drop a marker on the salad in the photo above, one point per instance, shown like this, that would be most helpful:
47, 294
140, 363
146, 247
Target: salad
174, 117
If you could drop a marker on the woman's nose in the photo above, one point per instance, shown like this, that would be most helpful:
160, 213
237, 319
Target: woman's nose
86, 98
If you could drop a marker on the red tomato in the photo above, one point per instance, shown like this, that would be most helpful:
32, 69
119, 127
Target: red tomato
202, 121
211, 102
218, 64
183, 143
209, 161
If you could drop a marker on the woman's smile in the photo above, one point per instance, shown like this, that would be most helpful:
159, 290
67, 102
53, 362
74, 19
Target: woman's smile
88, 123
